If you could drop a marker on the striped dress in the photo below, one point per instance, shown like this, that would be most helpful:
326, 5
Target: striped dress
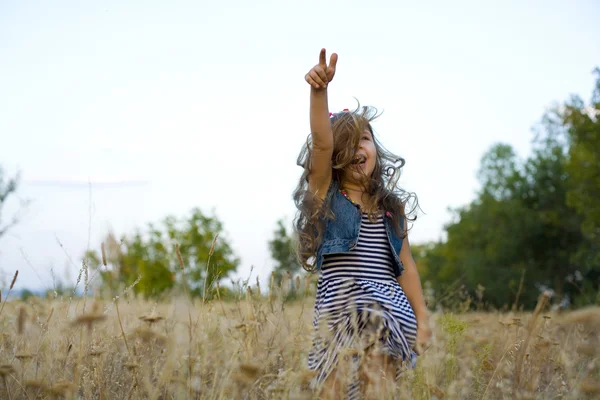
359, 304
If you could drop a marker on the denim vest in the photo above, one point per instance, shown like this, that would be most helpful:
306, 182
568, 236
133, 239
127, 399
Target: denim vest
340, 234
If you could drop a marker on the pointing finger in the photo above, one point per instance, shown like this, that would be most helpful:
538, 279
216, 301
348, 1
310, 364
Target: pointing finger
322, 58
333, 61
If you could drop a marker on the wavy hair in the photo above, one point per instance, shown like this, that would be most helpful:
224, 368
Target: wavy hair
381, 188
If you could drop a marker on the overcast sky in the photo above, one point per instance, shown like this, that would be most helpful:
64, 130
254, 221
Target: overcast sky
164, 106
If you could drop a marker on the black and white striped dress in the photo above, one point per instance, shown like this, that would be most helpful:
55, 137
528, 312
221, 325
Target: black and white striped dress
359, 303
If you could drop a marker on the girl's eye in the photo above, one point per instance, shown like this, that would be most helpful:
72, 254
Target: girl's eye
366, 138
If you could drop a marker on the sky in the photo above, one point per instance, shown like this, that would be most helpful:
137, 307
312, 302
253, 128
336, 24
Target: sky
119, 113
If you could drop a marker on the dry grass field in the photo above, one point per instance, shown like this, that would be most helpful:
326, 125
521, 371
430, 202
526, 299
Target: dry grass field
256, 347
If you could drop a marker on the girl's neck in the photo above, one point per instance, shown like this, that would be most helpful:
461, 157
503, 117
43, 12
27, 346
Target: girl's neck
353, 188
356, 194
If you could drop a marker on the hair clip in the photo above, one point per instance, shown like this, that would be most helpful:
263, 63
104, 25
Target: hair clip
332, 115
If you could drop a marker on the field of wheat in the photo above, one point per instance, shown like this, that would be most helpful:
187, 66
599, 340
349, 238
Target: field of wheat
256, 348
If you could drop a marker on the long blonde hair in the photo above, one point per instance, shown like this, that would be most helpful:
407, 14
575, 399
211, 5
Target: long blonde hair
381, 187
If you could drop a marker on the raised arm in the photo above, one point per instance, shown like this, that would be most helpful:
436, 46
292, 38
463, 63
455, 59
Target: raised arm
320, 126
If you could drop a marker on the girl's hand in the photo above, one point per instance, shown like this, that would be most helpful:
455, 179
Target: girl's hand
321, 74
423, 336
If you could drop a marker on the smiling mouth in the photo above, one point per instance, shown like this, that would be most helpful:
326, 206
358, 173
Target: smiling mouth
360, 161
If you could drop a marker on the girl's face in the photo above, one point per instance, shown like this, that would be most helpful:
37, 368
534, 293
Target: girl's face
364, 159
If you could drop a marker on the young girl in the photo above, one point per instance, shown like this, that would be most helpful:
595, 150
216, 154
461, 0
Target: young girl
369, 317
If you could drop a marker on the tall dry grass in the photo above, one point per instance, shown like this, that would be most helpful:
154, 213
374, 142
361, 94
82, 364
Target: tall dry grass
256, 348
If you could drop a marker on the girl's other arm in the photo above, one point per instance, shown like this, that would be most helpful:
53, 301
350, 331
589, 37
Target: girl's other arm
411, 285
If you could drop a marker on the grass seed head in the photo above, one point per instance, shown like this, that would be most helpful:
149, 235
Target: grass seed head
6, 369
88, 319
148, 335
543, 344
131, 366
34, 385
258, 285
247, 374
151, 318
250, 370
488, 365
21, 320
587, 350
589, 386
24, 356
61, 388
12, 284
179, 257
95, 353
103, 254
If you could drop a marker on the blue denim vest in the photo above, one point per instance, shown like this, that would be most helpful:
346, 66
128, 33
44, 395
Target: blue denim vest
341, 233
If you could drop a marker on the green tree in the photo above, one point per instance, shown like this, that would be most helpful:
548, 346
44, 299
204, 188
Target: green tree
557, 234
151, 256
488, 246
582, 124
500, 173
486, 241
519, 223
538, 219
26, 294
283, 253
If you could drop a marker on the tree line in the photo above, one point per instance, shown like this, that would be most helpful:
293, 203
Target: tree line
533, 225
